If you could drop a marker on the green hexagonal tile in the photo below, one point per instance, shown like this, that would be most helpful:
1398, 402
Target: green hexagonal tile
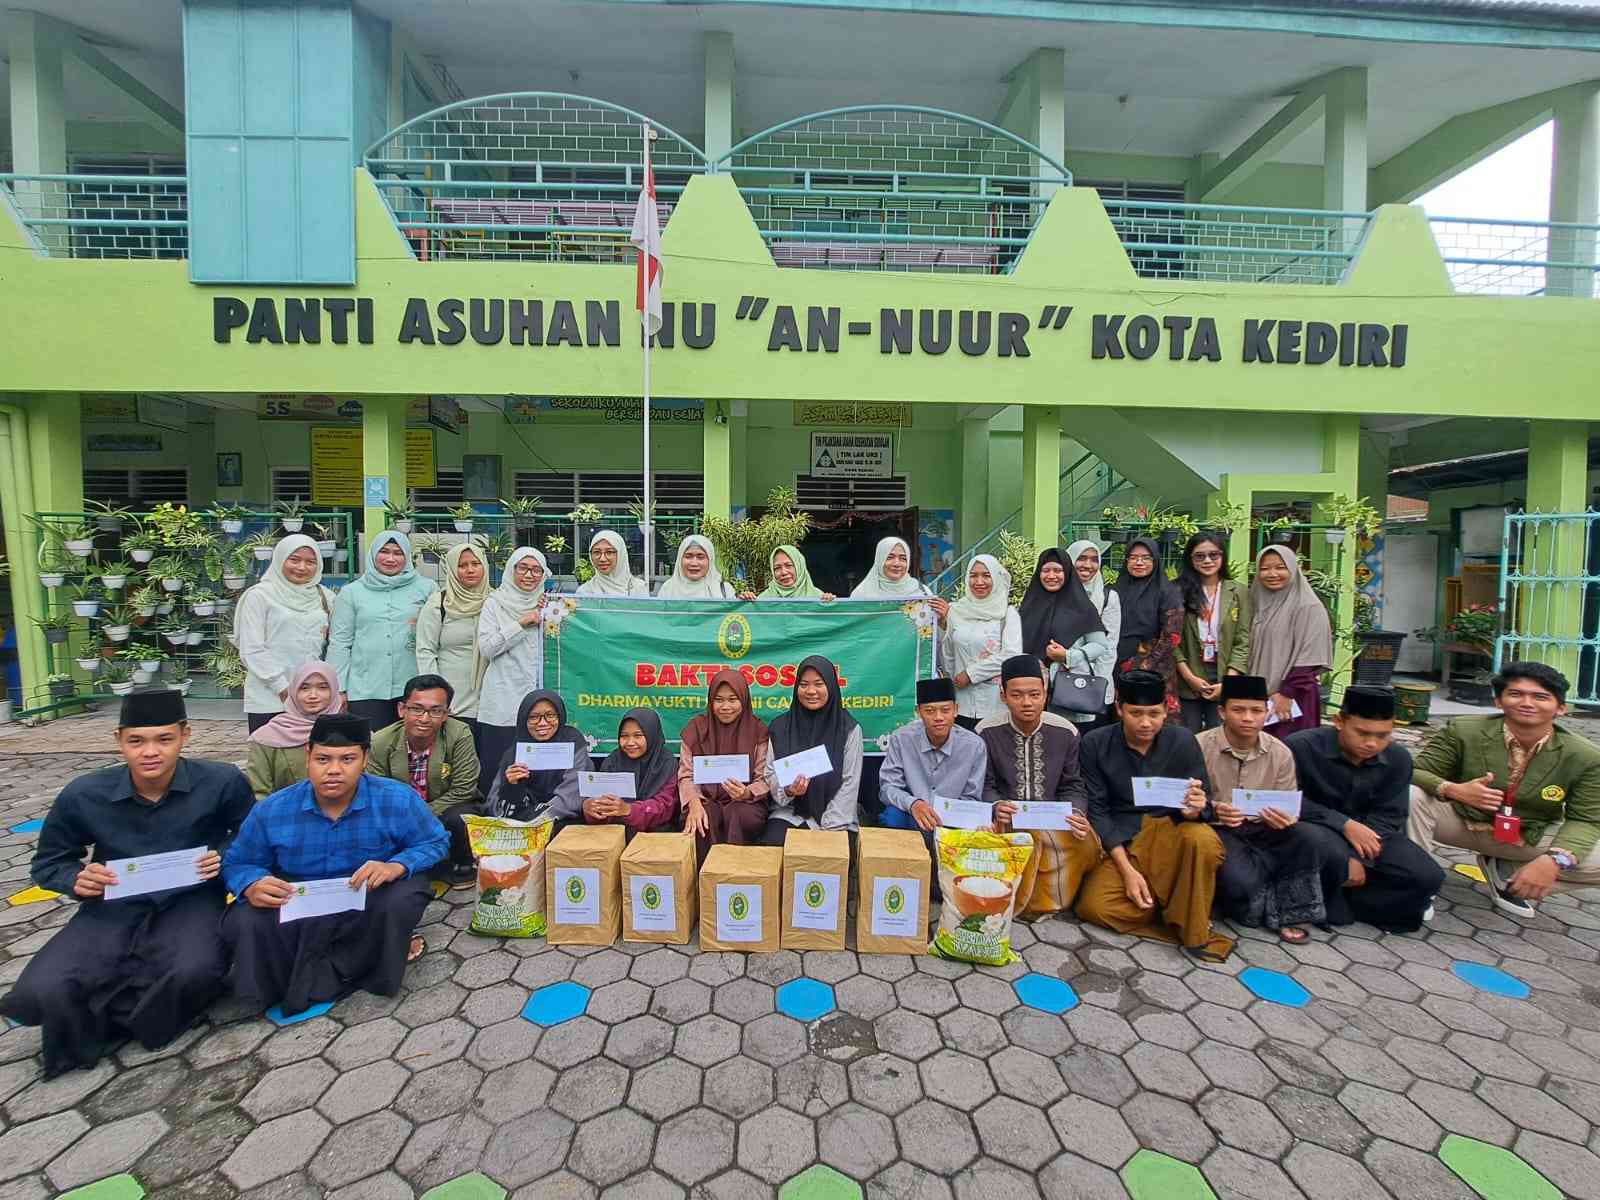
1152, 1176
475, 1186
820, 1183
1494, 1173
116, 1187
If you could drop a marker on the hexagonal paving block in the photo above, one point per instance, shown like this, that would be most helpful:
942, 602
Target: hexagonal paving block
1153, 1176
707, 1040
277, 1016
1095, 1130
739, 1087
856, 1140
775, 1039
805, 999
1490, 979
820, 1183
777, 1144
1045, 992
957, 1079
1274, 986
695, 1145
588, 1090
665, 1088
474, 1186
936, 1137
612, 1147
117, 1187
885, 1082
1494, 1173
1016, 1133
556, 1002
106, 1150
812, 1085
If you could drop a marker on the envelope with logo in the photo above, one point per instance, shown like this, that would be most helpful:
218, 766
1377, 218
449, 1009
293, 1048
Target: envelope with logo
816, 876
658, 891
583, 885
741, 891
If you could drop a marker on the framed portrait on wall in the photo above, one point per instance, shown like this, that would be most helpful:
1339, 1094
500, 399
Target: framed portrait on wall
230, 469
480, 476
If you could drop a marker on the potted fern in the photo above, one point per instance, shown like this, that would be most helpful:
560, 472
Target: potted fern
118, 676
118, 622
523, 511
462, 514
85, 601
108, 518
1347, 516
178, 677
261, 545
114, 576
89, 665
78, 540
291, 515
176, 631
144, 601
54, 563
141, 547
172, 570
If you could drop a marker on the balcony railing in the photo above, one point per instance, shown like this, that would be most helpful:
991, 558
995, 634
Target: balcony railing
1237, 245
536, 176
1518, 258
102, 216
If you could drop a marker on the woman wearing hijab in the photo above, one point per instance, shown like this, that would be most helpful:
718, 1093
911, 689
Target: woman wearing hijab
790, 578
520, 794
695, 575
608, 555
1216, 629
280, 624
642, 753
1152, 617
1291, 640
731, 812
981, 631
278, 749
1062, 626
816, 717
372, 643
890, 577
447, 630
511, 641
1098, 651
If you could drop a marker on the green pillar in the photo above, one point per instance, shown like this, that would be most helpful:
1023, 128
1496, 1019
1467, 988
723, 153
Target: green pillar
1341, 461
1553, 554
719, 93
21, 546
383, 459
717, 459
1575, 190
1041, 474
55, 442
38, 104
974, 517
1234, 492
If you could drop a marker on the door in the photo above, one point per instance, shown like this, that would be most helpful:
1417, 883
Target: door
1410, 595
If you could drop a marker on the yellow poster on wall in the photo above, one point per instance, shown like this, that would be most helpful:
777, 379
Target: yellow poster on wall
336, 466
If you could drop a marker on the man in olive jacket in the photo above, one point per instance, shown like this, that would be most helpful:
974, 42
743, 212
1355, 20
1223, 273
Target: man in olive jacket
427, 748
1518, 790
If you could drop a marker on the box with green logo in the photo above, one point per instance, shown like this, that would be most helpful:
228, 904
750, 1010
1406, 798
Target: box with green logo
583, 885
892, 914
741, 891
658, 890
816, 876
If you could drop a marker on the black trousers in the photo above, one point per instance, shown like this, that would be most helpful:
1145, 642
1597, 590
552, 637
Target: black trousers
1272, 878
1401, 882
254, 721
122, 968
379, 714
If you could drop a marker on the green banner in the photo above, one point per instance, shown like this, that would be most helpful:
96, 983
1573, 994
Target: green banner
606, 656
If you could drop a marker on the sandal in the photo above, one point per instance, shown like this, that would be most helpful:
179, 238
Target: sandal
418, 948
1294, 935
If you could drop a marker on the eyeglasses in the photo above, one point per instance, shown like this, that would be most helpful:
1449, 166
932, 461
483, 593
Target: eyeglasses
1140, 558
527, 568
1206, 555
436, 712
544, 719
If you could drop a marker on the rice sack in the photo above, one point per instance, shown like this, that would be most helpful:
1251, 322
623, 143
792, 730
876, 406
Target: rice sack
978, 874
510, 858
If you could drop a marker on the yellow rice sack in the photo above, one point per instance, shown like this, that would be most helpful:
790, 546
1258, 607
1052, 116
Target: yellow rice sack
510, 858
978, 873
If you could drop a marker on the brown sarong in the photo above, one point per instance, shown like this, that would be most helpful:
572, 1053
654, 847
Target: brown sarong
1056, 870
1179, 860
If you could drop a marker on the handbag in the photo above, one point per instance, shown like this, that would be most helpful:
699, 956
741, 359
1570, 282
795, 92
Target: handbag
1077, 692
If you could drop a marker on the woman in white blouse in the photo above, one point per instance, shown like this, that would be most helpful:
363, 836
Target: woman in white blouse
281, 623
980, 631
890, 577
511, 641
613, 576
695, 575
447, 629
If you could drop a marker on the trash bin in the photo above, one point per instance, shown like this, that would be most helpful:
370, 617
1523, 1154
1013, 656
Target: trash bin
1412, 701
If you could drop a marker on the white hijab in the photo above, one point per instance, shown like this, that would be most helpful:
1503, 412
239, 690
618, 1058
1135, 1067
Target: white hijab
878, 586
678, 586
620, 580
508, 595
993, 606
1096, 588
276, 586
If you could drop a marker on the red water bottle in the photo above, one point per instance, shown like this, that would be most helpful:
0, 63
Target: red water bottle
1507, 826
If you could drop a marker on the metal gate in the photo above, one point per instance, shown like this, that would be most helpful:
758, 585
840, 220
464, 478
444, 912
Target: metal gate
1550, 596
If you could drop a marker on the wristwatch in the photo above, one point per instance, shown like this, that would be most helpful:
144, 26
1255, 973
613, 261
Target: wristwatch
1565, 859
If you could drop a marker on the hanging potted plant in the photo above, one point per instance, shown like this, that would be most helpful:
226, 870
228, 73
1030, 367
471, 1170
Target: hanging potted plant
118, 676
1346, 516
78, 540
202, 603
261, 545
150, 660
62, 687
85, 601
402, 517
90, 665
462, 515
197, 637
171, 570
118, 622
645, 520
291, 515
114, 576
179, 679
524, 512
230, 516
234, 567
144, 600
176, 631
225, 668
54, 563
141, 547
108, 518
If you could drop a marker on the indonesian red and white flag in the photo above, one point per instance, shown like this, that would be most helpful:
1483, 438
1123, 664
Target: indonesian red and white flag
646, 237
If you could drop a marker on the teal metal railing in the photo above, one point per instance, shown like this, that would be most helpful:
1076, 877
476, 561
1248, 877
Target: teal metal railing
1518, 258
1550, 596
102, 216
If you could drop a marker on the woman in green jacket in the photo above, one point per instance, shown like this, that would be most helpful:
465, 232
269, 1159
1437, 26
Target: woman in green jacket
373, 640
1216, 629
278, 749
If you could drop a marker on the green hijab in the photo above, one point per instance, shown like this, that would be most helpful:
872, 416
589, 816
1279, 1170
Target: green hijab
803, 588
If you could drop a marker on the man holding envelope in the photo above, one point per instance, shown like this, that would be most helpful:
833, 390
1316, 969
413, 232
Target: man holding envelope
1033, 782
330, 875
1272, 870
141, 957
1149, 803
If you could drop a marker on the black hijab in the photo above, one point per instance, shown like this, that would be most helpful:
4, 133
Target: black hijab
1144, 601
1063, 616
527, 800
651, 771
800, 729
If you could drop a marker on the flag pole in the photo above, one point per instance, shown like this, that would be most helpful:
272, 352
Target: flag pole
644, 329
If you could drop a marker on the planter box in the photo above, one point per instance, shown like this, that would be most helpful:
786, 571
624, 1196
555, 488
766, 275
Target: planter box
233, 583
88, 665
63, 691
1375, 662
463, 526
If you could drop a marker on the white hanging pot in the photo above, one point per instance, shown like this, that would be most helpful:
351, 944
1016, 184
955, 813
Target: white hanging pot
52, 579
81, 547
340, 556
205, 608
123, 688
177, 636
196, 636
172, 585
86, 608
114, 583
263, 553
150, 665
88, 665
147, 610
1334, 536
141, 556
119, 633
182, 688
163, 609
403, 526
463, 526
293, 524
233, 583
232, 525
143, 676
327, 547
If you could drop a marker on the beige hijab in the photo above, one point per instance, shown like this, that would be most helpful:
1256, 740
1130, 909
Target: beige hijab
1289, 628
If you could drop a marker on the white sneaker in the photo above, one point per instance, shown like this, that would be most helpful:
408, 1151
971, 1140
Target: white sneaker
1499, 883
1427, 913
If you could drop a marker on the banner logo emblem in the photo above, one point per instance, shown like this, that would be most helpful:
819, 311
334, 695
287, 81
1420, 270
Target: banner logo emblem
733, 636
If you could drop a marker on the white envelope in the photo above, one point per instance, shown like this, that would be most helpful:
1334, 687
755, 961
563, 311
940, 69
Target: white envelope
154, 872
963, 814
1251, 801
321, 898
810, 763
1156, 791
606, 783
1042, 814
1294, 713
719, 768
544, 756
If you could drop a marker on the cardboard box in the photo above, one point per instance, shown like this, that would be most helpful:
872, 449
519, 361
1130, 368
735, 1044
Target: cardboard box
658, 889
892, 914
583, 885
741, 892
816, 883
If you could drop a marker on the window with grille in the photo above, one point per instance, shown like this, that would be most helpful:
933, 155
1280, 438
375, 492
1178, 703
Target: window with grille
447, 491
120, 202
291, 483
1134, 224
677, 493
137, 489
822, 492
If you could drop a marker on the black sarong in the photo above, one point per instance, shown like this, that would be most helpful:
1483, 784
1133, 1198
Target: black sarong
319, 959
1271, 878
143, 968
1401, 882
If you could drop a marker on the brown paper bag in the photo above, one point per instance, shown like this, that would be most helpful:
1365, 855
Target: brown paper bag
583, 885
658, 891
816, 878
741, 890
892, 913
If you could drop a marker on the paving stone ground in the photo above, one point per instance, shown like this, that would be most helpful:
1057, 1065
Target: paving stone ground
929, 1079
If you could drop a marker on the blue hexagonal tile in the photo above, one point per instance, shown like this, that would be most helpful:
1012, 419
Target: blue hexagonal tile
805, 999
556, 1002
275, 1013
29, 826
1045, 992
1275, 987
1490, 979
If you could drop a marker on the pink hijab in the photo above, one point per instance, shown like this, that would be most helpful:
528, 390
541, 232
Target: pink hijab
292, 727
